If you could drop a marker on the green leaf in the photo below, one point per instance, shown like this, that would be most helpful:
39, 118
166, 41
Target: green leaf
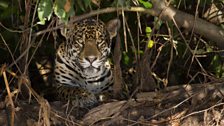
216, 65
4, 4
150, 44
208, 48
59, 9
146, 4
72, 10
87, 3
44, 11
80, 5
148, 31
126, 58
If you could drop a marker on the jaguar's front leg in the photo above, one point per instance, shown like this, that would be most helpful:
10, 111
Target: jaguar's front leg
78, 96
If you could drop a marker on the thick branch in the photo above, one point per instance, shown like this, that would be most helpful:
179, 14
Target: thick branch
167, 13
199, 95
189, 22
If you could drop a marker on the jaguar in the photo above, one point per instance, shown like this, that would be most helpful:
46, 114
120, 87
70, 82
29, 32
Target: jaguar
82, 70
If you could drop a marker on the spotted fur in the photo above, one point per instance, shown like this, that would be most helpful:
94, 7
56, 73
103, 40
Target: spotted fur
82, 70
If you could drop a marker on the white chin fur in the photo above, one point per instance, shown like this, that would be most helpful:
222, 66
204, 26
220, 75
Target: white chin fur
90, 71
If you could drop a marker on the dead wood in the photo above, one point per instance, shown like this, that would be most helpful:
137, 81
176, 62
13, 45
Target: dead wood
150, 105
172, 105
147, 83
117, 68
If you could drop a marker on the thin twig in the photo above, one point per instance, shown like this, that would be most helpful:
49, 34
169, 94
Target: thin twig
124, 29
171, 108
131, 38
30, 34
10, 99
188, 47
204, 110
171, 54
12, 30
10, 52
97, 12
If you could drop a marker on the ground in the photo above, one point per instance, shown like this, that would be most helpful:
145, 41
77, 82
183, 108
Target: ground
197, 104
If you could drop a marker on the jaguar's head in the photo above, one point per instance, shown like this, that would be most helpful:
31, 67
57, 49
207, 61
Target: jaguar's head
91, 43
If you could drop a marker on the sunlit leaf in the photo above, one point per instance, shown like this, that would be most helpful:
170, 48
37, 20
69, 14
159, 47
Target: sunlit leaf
150, 44
148, 31
59, 9
146, 4
67, 6
44, 11
208, 48
4, 4
62, 10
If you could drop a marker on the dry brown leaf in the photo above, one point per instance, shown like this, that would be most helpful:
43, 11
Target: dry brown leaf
96, 2
67, 6
214, 15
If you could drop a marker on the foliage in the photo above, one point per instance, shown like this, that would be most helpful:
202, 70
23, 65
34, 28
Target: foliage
63, 9
44, 11
148, 31
146, 4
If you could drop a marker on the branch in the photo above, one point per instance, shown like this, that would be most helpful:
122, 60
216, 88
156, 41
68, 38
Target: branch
189, 22
166, 13
145, 104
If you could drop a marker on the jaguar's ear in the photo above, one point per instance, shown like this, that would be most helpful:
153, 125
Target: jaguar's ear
113, 26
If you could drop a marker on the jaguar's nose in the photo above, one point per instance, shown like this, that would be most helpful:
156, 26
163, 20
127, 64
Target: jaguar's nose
91, 59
